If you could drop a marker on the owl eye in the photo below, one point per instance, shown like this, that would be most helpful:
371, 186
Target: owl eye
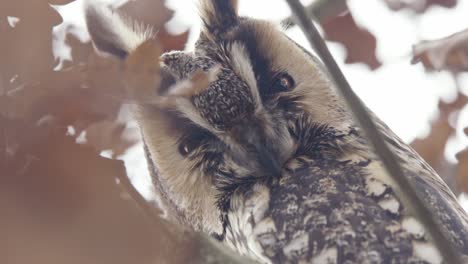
193, 139
186, 147
283, 82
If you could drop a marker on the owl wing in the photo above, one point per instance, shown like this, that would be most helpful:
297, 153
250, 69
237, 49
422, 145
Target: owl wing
340, 209
434, 191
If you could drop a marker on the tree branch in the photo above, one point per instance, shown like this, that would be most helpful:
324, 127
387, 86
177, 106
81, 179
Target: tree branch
319, 10
423, 213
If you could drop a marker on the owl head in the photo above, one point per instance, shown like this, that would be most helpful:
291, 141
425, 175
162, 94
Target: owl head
215, 153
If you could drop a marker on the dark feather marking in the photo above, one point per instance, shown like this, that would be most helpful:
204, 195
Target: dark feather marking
437, 198
222, 17
261, 66
331, 195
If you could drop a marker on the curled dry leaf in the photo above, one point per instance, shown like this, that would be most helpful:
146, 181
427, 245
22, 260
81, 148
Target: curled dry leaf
360, 44
195, 84
449, 53
141, 70
432, 147
104, 75
61, 203
80, 51
25, 46
173, 42
109, 135
144, 11
141, 78
418, 6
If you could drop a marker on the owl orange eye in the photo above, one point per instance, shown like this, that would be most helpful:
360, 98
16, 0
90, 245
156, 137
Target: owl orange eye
283, 82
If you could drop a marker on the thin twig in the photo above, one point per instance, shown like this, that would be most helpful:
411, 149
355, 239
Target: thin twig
320, 10
423, 213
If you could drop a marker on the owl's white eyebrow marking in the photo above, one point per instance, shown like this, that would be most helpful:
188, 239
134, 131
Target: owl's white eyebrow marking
242, 66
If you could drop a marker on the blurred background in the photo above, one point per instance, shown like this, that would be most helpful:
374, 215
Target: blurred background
68, 144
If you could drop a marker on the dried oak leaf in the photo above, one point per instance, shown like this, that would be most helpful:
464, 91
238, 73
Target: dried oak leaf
80, 51
109, 135
62, 203
141, 77
141, 70
67, 97
449, 53
418, 6
59, 2
26, 47
143, 10
432, 147
172, 42
360, 44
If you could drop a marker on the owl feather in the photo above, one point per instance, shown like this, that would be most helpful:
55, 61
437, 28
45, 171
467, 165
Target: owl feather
267, 158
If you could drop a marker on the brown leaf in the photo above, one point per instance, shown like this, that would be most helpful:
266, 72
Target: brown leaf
432, 147
360, 44
59, 2
109, 135
172, 42
143, 10
195, 84
419, 6
80, 51
141, 70
27, 52
62, 203
449, 53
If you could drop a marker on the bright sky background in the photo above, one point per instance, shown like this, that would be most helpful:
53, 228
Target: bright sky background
401, 94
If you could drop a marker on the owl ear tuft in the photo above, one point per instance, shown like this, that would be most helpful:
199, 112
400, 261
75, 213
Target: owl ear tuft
218, 15
113, 33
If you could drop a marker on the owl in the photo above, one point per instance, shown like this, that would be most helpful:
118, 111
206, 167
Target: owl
267, 158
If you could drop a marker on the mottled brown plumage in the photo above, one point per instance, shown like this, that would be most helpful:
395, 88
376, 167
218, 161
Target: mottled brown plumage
268, 160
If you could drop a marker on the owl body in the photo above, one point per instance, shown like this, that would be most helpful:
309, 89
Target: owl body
268, 160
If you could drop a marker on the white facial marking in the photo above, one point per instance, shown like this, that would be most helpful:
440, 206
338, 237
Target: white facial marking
243, 67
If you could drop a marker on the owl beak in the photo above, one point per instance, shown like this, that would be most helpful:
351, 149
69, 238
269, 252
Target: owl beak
268, 160
252, 138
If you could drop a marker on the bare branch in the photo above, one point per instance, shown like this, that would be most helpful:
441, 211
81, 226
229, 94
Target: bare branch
320, 10
388, 159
